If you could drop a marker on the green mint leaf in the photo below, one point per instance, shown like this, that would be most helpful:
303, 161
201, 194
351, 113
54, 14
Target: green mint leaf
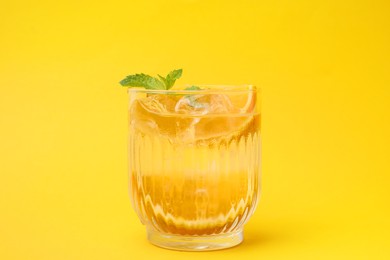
172, 77
193, 88
192, 99
142, 80
163, 80
149, 82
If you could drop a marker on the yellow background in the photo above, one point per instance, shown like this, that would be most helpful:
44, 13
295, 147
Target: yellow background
324, 70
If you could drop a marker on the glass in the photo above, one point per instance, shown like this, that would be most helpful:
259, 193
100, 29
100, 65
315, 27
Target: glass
194, 164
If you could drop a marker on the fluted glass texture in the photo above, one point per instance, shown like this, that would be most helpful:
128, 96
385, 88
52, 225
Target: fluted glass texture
194, 159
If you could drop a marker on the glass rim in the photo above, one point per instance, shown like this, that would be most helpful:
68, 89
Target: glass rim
206, 89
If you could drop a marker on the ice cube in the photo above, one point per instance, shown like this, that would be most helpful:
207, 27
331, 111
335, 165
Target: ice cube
189, 118
220, 104
159, 103
204, 104
154, 115
191, 105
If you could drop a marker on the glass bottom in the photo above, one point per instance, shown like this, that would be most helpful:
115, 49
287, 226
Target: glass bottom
195, 243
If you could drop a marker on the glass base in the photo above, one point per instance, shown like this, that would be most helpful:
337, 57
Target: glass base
195, 243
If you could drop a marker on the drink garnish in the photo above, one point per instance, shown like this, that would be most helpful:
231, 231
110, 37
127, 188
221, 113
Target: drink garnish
149, 82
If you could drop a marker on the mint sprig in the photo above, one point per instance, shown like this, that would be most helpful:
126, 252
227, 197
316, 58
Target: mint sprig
171, 78
193, 87
149, 82
142, 80
192, 99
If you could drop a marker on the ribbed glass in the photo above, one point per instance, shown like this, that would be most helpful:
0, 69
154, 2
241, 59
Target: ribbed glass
194, 174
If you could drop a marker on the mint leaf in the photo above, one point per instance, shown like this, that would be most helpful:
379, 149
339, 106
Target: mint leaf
142, 80
164, 80
192, 99
193, 88
172, 77
149, 82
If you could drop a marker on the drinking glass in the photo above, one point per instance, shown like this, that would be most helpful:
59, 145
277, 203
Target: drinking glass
195, 164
